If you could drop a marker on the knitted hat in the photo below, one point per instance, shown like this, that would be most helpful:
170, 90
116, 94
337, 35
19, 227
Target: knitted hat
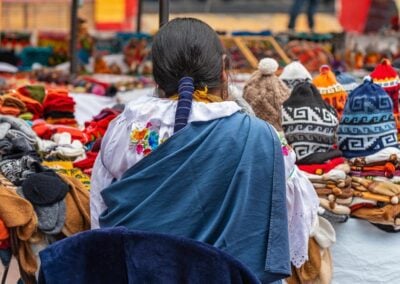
265, 92
51, 218
294, 73
331, 91
44, 188
348, 82
309, 123
385, 76
367, 125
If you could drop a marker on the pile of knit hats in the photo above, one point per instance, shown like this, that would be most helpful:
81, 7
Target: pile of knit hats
332, 92
294, 73
36, 203
368, 137
265, 92
386, 76
310, 124
59, 107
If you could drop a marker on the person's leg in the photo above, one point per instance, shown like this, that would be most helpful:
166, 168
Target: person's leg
294, 12
312, 8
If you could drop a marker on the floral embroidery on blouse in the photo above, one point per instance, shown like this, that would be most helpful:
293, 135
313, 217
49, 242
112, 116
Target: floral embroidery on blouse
147, 139
284, 144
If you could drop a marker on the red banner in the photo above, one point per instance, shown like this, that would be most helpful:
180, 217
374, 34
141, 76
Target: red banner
353, 15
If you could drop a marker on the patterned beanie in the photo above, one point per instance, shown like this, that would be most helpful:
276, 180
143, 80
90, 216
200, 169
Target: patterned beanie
348, 82
295, 73
331, 91
265, 93
367, 125
309, 123
385, 76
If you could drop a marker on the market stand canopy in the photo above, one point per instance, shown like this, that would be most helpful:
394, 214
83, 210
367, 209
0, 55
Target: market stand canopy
366, 16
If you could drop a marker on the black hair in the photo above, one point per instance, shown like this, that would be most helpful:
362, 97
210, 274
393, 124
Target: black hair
187, 47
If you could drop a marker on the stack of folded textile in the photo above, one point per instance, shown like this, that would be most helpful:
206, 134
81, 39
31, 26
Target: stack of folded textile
32, 97
368, 138
9, 105
59, 108
310, 126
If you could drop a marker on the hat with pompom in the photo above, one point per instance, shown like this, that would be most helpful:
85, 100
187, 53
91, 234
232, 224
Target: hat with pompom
295, 73
386, 76
331, 91
367, 125
265, 92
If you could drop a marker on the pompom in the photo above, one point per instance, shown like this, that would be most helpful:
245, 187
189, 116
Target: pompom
394, 200
386, 62
268, 66
367, 79
324, 69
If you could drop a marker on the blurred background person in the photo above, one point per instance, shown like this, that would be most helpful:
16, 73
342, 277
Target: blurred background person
295, 11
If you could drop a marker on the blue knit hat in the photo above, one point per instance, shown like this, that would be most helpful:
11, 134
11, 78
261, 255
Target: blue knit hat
348, 82
367, 124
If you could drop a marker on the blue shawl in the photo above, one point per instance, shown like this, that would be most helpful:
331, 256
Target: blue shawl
220, 182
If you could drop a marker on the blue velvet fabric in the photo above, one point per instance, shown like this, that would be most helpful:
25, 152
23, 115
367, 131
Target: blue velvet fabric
220, 182
120, 256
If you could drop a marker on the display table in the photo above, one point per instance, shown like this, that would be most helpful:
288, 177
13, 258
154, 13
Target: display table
365, 254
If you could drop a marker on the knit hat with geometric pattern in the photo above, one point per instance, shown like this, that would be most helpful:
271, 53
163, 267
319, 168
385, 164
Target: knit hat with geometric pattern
308, 122
367, 124
385, 76
331, 91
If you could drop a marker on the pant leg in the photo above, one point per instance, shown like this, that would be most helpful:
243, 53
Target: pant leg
312, 8
294, 12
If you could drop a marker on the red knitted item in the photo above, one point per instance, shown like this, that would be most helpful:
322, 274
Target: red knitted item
88, 162
5, 244
325, 168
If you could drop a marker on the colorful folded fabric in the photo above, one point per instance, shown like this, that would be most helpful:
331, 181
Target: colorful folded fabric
322, 168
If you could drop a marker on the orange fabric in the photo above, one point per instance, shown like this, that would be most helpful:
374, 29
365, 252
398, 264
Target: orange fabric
32, 105
3, 231
17, 213
77, 217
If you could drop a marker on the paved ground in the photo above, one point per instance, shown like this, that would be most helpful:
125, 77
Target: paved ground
233, 6
275, 22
